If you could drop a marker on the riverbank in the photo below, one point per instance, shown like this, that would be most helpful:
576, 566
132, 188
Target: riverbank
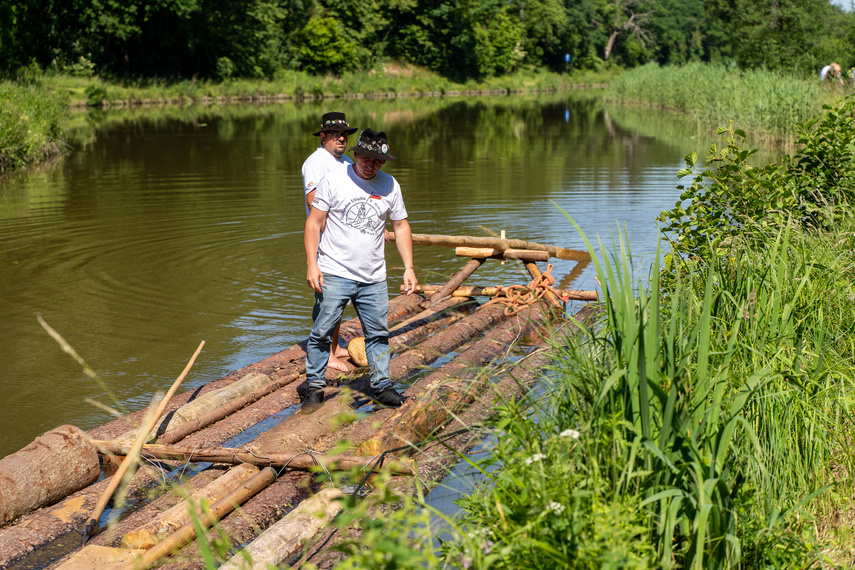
33, 108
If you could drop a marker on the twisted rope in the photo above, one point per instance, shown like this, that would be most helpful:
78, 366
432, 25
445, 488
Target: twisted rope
519, 297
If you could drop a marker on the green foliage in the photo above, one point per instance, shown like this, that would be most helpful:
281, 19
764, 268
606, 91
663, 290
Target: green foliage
323, 47
729, 200
29, 123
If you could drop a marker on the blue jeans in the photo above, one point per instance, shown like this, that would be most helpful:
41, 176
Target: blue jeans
371, 301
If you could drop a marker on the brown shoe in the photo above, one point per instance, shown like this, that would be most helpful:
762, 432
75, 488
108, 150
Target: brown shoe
312, 401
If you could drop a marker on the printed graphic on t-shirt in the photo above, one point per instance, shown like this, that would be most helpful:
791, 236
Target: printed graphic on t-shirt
362, 215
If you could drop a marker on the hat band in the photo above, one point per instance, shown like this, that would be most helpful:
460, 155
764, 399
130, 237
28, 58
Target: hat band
335, 122
374, 146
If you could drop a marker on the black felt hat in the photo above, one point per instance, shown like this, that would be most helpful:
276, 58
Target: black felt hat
373, 145
336, 122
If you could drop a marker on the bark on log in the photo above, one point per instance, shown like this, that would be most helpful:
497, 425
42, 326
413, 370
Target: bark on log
217, 511
167, 522
437, 397
200, 406
500, 244
306, 429
58, 463
292, 459
454, 282
489, 252
177, 434
470, 291
286, 537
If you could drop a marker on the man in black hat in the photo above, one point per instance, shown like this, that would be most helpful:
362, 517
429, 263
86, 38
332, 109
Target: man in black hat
329, 155
346, 262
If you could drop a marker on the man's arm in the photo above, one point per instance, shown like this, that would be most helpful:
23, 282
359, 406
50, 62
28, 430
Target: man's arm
311, 238
404, 242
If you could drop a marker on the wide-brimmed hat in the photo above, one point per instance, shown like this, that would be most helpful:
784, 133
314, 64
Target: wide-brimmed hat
335, 122
373, 145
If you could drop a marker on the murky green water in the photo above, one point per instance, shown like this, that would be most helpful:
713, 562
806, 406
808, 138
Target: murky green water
165, 228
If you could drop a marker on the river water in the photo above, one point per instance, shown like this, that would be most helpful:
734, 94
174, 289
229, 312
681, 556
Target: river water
163, 228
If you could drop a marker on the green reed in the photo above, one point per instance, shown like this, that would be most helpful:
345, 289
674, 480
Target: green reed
771, 102
29, 123
697, 425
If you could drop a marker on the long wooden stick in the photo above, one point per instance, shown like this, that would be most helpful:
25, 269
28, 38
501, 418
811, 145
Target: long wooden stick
133, 455
473, 291
297, 460
498, 243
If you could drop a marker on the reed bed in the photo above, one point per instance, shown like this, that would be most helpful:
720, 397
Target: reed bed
29, 124
773, 103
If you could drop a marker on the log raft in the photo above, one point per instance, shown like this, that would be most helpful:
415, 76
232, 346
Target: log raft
264, 493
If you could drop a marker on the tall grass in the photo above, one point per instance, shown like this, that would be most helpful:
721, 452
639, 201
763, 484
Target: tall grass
697, 426
29, 123
771, 102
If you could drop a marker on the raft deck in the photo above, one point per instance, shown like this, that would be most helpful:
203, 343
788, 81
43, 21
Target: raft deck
242, 440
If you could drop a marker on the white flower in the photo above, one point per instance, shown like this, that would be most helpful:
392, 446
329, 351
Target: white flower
556, 508
571, 433
535, 457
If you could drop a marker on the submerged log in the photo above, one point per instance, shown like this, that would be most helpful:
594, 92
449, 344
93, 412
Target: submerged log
297, 460
489, 252
100, 557
58, 463
217, 511
500, 244
470, 291
286, 537
167, 522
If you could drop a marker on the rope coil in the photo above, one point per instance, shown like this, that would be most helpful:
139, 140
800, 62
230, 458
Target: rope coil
519, 297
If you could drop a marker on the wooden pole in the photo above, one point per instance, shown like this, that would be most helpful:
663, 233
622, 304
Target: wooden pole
489, 252
551, 297
490, 291
218, 510
498, 243
297, 460
454, 282
133, 455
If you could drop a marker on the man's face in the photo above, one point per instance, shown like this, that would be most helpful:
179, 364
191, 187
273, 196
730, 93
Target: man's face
334, 142
366, 168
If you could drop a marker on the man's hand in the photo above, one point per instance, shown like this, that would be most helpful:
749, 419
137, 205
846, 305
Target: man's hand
410, 281
315, 279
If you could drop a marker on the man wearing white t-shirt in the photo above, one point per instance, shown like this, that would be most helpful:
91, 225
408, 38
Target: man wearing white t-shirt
329, 156
346, 262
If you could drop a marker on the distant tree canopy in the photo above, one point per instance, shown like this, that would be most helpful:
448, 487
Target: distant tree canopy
460, 39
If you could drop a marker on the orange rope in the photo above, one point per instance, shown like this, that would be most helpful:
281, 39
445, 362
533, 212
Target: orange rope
518, 297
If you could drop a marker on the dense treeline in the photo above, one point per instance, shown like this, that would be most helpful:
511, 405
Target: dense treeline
462, 39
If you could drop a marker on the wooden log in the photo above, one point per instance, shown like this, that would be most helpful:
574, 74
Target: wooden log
197, 408
292, 459
500, 244
454, 282
167, 522
302, 431
440, 395
356, 347
217, 511
287, 537
132, 456
58, 463
470, 291
177, 434
100, 557
489, 252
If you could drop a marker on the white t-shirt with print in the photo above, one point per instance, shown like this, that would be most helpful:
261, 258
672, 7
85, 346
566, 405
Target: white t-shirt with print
316, 167
352, 244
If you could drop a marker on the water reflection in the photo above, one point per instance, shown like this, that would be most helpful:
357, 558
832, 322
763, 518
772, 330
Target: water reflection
164, 228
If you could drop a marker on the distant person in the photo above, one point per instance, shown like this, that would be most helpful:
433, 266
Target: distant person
330, 155
346, 263
831, 72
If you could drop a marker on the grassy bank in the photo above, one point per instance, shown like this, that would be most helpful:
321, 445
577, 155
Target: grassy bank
31, 109
766, 103
30, 117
